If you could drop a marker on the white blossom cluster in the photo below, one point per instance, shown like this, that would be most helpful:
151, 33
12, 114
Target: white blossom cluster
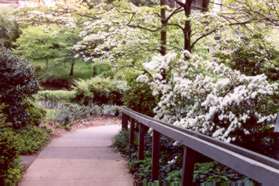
208, 97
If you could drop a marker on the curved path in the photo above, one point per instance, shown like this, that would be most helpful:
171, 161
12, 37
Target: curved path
81, 158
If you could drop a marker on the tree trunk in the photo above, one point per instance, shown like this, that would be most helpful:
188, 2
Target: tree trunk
205, 4
187, 26
163, 40
46, 64
72, 69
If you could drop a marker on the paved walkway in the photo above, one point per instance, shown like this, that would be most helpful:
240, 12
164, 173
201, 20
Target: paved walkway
80, 158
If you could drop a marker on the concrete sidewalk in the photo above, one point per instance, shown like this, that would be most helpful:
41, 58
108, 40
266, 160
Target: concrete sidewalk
80, 158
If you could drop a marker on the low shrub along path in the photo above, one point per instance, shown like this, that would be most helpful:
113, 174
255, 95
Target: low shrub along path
83, 157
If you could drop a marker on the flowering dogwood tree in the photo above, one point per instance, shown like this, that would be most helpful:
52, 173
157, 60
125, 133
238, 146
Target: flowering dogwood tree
108, 34
208, 97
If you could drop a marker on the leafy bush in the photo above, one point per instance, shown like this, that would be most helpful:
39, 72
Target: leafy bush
127, 74
250, 54
9, 32
102, 69
140, 98
35, 113
120, 142
10, 170
55, 95
100, 91
30, 139
17, 82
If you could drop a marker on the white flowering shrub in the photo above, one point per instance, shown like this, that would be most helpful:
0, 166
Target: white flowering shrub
208, 97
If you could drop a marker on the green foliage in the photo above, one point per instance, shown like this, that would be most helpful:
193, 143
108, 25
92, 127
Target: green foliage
121, 142
17, 83
9, 31
10, 170
14, 173
51, 114
56, 76
252, 54
128, 74
100, 91
39, 42
49, 44
144, 167
55, 95
102, 69
174, 176
140, 98
30, 139
45, 42
35, 113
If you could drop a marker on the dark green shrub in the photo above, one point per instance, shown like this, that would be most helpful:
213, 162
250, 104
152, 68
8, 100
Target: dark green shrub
17, 82
140, 98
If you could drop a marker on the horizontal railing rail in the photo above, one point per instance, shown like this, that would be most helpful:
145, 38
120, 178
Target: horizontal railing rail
262, 169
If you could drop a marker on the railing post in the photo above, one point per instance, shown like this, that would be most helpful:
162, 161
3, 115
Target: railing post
132, 133
258, 184
155, 155
142, 131
124, 122
189, 160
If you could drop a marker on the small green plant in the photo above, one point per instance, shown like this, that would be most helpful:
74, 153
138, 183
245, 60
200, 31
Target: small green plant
140, 98
30, 139
35, 112
174, 176
121, 142
10, 169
